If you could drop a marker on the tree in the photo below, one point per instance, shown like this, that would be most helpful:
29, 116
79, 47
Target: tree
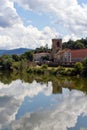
6, 62
79, 45
70, 44
42, 49
28, 55
78, 67
15, 57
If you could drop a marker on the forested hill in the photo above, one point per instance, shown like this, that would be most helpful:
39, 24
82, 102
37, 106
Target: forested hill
18, 51
78, 44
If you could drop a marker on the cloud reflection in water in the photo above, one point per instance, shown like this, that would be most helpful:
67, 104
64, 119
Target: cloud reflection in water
68, 106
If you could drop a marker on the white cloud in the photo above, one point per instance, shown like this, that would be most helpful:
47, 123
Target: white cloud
29, 37
68, 14
64, 116
8, 14
26, 89
13, 33
8, 109
12, 96
72, 36
68, 107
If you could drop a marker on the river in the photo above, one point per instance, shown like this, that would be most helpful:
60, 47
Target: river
54, 104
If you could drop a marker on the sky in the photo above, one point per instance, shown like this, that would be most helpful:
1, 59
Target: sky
33, 23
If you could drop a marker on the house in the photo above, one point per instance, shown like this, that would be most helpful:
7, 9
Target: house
63, 56
66, 55
40, 57
59, 55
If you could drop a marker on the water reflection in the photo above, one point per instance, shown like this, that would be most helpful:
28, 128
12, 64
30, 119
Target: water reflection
55, 105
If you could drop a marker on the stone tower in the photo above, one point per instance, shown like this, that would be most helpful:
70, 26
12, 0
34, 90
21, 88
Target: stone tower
56, 46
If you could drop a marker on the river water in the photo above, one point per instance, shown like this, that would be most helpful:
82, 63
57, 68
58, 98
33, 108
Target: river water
52, 105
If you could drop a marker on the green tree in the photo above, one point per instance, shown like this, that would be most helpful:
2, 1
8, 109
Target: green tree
28, 55
15, 57
78, 67
70, 44
78, 45
6, 62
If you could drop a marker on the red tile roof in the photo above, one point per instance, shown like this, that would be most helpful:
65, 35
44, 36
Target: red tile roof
80, 53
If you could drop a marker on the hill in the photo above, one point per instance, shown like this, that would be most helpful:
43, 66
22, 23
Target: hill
18, 51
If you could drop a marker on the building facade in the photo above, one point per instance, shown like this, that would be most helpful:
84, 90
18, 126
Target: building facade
66, 55
59, 55
40, 57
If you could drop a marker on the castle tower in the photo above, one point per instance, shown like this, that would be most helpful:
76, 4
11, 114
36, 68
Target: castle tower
56, 46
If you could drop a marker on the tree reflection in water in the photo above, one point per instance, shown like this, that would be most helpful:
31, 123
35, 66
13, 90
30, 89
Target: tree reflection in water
40, 102
57, 82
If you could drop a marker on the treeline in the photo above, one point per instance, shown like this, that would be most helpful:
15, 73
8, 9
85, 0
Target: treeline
78, 44
43, 49
10, 62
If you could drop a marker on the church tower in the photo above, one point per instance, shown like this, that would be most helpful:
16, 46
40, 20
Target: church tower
56, 46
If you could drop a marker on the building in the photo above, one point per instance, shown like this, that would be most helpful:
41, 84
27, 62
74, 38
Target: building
66, 55
59, 55
56, 46
40, 57
78, 55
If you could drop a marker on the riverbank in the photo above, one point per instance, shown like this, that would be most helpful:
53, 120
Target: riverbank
24, 65
79, 69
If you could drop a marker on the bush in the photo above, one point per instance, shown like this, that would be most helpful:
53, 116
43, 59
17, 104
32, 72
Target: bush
30, 70
44, 66
78, 67
39, 71
84, 72
60, 70
53, 71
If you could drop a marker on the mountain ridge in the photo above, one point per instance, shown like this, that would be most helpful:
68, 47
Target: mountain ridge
17, 51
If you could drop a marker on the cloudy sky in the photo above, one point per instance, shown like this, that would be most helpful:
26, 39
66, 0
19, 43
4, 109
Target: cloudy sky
33, 23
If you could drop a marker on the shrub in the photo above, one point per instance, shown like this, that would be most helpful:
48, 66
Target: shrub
78, 67
44, 66
60, 70
53, 71
30, 70
84, 72
39, 71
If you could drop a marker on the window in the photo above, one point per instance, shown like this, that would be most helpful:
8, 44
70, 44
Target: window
58, 44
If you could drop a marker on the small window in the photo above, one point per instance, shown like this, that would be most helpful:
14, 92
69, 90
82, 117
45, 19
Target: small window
58, 44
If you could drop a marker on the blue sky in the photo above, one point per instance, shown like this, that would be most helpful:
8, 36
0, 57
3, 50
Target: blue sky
38, 20
34, 23
29, 17
82, 1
